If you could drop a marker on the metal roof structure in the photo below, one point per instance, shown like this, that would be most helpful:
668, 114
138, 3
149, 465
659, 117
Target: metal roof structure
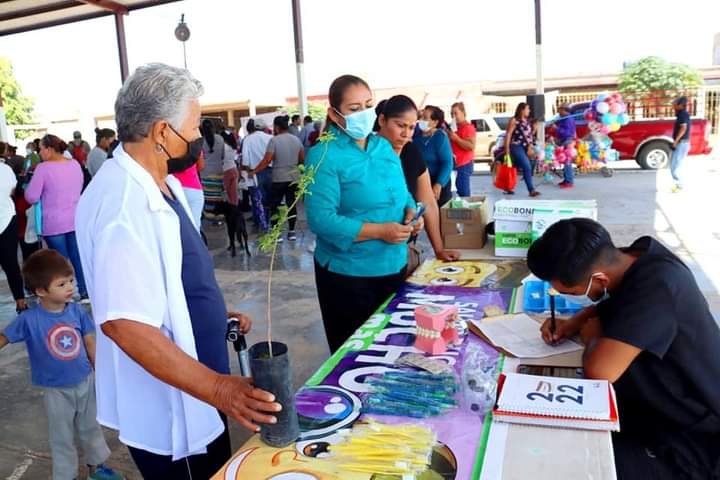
18, 16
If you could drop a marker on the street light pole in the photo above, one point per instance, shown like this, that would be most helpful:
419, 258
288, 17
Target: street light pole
539, 87
299, 57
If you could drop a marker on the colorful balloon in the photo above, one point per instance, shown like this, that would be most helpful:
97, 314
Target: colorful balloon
602, 107
615, 109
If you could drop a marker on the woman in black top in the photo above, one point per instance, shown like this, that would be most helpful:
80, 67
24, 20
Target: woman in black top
518, 140
396, 118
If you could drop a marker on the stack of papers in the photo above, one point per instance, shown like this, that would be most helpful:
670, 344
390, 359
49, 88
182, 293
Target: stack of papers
519, 335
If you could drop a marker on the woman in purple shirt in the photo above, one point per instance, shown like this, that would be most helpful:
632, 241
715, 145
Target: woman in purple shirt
57, 183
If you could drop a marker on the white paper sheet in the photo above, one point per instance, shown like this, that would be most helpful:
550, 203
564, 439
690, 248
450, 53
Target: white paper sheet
492, 467
520, 335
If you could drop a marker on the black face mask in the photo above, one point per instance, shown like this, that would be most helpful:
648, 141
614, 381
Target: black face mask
192, 155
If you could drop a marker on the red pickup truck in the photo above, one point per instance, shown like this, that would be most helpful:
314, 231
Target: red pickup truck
648, 141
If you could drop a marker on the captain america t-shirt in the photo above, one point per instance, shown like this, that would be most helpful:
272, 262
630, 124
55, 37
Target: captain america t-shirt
55, 344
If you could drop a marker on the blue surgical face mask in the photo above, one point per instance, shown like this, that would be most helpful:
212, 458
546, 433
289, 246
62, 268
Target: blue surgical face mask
424, 125
359, 124
585, 300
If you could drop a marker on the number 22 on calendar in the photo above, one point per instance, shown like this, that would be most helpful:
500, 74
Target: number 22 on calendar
567, 393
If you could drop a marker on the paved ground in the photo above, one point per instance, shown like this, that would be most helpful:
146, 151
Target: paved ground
632, 203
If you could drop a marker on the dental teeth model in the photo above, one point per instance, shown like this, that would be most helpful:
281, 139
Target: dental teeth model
436, 328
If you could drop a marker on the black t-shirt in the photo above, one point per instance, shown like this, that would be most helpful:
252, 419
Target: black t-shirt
413, 166
682, 117
204, 298
671, 391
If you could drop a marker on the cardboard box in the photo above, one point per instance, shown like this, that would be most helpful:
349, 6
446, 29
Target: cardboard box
464, 228
518, 223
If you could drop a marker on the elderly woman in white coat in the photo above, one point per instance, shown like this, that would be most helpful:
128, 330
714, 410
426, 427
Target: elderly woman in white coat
163, 375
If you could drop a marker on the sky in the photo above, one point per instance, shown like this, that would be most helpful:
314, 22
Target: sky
242, 49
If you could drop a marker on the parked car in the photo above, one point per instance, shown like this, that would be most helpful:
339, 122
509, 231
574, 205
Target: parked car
648, 141
488, 128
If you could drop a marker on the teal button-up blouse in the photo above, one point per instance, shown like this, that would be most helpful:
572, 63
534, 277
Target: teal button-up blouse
355, 186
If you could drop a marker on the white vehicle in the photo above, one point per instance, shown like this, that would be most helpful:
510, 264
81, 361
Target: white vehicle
489, 126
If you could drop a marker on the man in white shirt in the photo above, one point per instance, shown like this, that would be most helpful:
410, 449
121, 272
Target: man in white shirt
253, 151
162, 368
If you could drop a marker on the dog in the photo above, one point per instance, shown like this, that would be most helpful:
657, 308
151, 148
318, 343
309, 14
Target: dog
236, 228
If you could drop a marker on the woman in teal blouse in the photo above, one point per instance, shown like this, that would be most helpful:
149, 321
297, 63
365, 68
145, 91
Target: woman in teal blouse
361, 212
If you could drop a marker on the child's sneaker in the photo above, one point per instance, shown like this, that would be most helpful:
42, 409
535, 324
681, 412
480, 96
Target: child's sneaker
105, 473
292, 236
566, 185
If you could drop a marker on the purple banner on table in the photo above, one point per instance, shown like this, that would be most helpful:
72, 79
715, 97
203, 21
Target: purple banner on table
332, 397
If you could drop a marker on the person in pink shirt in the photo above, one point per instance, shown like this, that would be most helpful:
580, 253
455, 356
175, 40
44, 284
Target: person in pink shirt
57, 184
190, 181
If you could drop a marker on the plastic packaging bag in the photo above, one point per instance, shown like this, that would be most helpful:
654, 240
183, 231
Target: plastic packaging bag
479, 380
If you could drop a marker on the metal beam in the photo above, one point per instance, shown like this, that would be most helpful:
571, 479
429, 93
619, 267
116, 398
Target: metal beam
122, 46
299, 57
108, 5
52, 23
39, 10
539, 87
65, 20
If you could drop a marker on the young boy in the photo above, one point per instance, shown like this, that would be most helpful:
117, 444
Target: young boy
566, 133
649, 331
60, 339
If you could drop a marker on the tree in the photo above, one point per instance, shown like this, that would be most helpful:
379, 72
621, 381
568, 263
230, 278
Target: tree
18, 108
652, 82
654, 73
315, 110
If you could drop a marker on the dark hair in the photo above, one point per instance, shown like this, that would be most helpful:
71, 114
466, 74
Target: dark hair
53, 142
101, 133
230, 139
281, 122
250, 126
436, 113
37, 144
295, 117
393, 107
4, 148
337, 91
44, 266
518, 110
569, 249
207, 128
460, 106
112, 147
307, 119
683, 100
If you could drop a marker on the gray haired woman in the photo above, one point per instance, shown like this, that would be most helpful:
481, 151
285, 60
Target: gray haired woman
163, 375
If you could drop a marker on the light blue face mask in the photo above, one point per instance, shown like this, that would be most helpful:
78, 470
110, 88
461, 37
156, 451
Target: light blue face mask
585, 300
359, 124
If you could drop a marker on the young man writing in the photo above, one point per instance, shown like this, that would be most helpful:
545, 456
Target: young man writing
649, 331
